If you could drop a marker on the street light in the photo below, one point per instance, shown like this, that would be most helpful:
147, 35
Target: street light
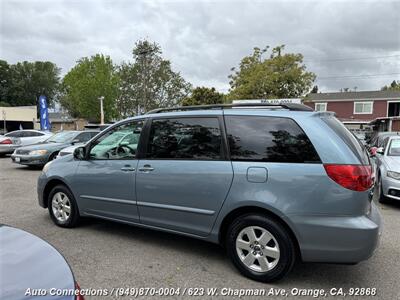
101, 98
4, 120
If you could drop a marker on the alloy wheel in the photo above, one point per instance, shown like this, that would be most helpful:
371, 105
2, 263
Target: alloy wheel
258, 249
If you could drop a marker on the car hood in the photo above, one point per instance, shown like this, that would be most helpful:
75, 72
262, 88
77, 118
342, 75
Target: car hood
45, 146
26, 261
393, 163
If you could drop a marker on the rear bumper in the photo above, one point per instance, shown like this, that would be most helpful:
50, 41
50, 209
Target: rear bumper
341, 239
7, 149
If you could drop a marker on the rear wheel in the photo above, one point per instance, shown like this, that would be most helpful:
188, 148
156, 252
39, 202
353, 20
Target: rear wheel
62, 207
260, 248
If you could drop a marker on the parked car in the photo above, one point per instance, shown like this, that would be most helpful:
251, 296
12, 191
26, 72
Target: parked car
40, 154
8, 144
18, 138
388, 170
271, 183
28, 263
69, 149
378, 139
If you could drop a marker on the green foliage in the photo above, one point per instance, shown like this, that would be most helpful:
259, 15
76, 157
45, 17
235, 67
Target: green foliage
149, 82
394, 86
203, 96
90, 79
24, 82
279, 76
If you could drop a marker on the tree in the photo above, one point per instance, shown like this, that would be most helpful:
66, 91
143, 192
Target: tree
394, 86
202, 96
24, 82
279, 76
314, 89
149, 82
82, 87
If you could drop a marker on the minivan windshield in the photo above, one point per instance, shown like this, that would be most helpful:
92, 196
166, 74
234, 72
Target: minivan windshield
62, 137
394, 148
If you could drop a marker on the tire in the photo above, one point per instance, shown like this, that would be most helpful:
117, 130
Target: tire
264, 268
381, 197
61, 196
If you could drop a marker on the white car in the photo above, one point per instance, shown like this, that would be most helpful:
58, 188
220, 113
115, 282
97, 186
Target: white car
15, 139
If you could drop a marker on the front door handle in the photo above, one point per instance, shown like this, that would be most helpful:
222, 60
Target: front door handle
146, 169
128, 169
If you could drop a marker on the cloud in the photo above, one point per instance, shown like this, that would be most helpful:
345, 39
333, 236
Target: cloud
204, 39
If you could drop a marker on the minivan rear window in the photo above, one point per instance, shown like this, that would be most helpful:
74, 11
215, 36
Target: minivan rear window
351, 141
268, 139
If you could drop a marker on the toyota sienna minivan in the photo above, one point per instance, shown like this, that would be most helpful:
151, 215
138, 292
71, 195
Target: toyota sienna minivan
271, 183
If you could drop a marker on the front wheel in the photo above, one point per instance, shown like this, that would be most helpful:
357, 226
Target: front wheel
381, 196
260, 248
62, 207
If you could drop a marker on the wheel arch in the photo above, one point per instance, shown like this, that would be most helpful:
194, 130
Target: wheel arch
49, 186
245, 210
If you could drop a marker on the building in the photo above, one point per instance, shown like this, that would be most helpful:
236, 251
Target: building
61, 121
360, 109
16, 117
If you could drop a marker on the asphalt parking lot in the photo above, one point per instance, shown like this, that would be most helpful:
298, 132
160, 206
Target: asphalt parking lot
106, 255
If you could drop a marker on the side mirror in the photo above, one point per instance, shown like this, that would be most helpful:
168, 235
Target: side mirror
380, 150
79, 153
76, 141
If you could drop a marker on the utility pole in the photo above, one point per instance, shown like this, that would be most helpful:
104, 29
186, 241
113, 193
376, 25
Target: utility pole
101, 98
4, 120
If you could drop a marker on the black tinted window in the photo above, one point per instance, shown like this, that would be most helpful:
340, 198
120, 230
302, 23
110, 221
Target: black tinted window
351, 141
186, 138
83, 137
268, 139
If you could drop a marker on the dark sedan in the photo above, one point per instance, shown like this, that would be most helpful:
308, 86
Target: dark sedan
30, 267
40, 154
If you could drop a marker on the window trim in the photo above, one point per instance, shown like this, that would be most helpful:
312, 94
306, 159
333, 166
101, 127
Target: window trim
325, 104
363, 102
224, 152
89, 144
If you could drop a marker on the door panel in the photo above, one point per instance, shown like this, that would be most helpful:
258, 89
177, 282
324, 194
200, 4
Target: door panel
107, 188
182, 195
183, 181
105, 182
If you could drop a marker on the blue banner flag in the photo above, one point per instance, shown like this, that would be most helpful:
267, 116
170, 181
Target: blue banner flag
44, 114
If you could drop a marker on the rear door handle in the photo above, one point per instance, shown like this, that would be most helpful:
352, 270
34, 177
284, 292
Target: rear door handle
146, 168
128, 169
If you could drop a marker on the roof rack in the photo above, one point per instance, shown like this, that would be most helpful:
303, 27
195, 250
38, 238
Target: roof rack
289, 106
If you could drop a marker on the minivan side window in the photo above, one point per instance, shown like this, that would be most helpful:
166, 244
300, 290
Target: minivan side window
185, 138
120, 142
268, 139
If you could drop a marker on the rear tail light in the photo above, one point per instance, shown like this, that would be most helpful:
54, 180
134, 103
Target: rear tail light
78, 289
353, 177
6, 142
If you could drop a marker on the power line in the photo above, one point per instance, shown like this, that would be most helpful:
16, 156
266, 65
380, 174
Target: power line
356, 76
354, 58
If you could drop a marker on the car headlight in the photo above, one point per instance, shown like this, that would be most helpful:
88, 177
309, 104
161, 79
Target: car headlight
393, 175
38, 152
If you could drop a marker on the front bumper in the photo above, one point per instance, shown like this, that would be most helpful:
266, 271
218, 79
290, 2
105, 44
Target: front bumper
341, 239
29, 160
389, 186
41, 184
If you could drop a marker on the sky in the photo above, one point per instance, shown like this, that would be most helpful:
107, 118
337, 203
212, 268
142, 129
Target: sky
353, 44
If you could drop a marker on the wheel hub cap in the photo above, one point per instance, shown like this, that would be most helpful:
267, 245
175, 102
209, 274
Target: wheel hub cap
258, 249
61, 206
